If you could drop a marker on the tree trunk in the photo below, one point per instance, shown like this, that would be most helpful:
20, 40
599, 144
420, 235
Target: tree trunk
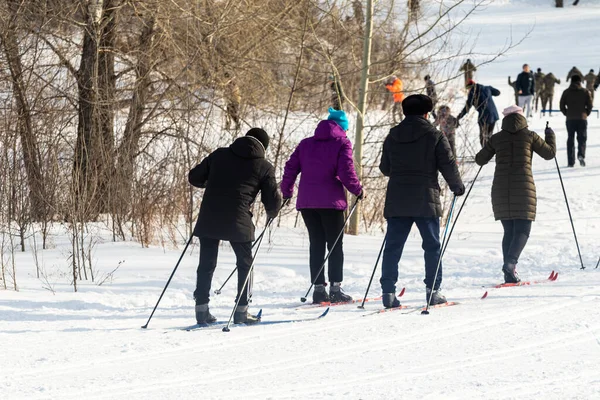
362, 102
29, 144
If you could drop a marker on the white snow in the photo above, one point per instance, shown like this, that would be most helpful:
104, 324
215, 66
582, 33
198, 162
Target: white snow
530, 342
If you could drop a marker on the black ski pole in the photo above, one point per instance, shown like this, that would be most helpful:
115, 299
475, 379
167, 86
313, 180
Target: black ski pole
598, 263
362, 305
445, 240
258, 239
568, 208
303, 299
169, 281
462, 206
239, 297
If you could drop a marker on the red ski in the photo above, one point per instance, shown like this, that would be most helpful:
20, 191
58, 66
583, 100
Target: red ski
329, 304
553, 277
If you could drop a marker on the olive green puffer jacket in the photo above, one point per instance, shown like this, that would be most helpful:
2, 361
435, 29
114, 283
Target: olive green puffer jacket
513, 189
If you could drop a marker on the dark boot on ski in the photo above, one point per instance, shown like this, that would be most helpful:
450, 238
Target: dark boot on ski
436, 298
242, 316
336, 295
320, 295
581, 161
390, 300
510, 273
203, 315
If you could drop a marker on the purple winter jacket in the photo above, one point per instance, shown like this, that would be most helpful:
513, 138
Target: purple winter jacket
326, 166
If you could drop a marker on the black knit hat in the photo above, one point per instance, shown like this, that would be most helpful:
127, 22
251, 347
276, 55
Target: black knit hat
261, 135
417, 104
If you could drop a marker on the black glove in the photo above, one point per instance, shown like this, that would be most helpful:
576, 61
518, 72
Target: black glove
361, 195
549, 131
460, 191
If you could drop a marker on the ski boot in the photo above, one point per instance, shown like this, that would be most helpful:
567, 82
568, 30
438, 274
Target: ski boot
390, 300
510, 273
336, 295
436, 298
242, 316
320, 295
203, 315
581, 161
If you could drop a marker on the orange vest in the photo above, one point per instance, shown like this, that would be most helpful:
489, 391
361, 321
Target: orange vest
396, 89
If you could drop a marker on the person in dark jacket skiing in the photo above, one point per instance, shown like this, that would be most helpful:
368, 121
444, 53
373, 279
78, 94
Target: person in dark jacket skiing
481, 97
325, 165
513, 189
576, 105
232, 178
526, 89
539, 87
413, 153
548, 92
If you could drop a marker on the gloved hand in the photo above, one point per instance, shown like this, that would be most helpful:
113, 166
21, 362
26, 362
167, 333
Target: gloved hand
549, 131
361, 196
460, 191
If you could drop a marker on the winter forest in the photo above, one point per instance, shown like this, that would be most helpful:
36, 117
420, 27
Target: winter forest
106, 105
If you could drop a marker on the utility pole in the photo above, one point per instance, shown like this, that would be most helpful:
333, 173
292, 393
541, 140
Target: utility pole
362, 103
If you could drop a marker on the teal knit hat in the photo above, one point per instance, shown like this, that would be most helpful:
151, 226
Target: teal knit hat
339, 117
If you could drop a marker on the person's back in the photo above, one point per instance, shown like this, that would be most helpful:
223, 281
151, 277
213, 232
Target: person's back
576, 102
396, 89
590, 79
232, 177
574, 72
550, 80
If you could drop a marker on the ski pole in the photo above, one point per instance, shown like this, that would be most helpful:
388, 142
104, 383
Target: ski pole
462, 206
445, 240
258, 239
568, 208
169, 281
598, 263
303, 299
362, 305
239, 297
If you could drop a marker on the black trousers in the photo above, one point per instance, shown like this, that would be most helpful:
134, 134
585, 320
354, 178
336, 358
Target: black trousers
324, 225
578, 127
209, 251
516, 234
485, 132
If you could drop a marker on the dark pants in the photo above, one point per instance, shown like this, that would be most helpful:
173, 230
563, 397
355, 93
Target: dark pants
397, 112
397, 233
209, 250
324, 225
516, 234
579, 127
485, 132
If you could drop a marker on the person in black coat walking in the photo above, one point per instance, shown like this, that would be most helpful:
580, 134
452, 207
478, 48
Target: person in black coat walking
413, 153
526, 88
481, 97
232, 177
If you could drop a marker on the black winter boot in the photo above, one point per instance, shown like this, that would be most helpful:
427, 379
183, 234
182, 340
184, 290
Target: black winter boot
320, 295
437, 298
510, 273
581, 161
242, 316
336, 295
203, 315
390, 300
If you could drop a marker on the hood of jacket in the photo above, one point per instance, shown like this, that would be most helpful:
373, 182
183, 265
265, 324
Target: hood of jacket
248, 147
328, 129
514, 123
411, 129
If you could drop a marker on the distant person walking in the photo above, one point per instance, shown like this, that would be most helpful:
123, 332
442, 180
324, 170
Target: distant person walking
526, 90
395, 87
539, 86
590, 80
574, 71
576, 105
468, 68
481, 98
548, 92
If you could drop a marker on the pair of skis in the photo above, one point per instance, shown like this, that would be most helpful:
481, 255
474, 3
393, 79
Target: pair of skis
552, 278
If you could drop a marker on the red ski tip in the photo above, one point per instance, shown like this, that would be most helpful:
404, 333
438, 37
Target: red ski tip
551, 277
555, 277
402, 292
484, 295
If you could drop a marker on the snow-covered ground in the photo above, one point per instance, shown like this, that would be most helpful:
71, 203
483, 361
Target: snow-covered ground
531, 342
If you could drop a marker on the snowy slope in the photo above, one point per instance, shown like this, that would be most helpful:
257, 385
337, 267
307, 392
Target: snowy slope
520, 343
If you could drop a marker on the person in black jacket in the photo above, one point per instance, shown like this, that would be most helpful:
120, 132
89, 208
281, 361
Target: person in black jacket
481, 98
413, 153
526, 89
232, 177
